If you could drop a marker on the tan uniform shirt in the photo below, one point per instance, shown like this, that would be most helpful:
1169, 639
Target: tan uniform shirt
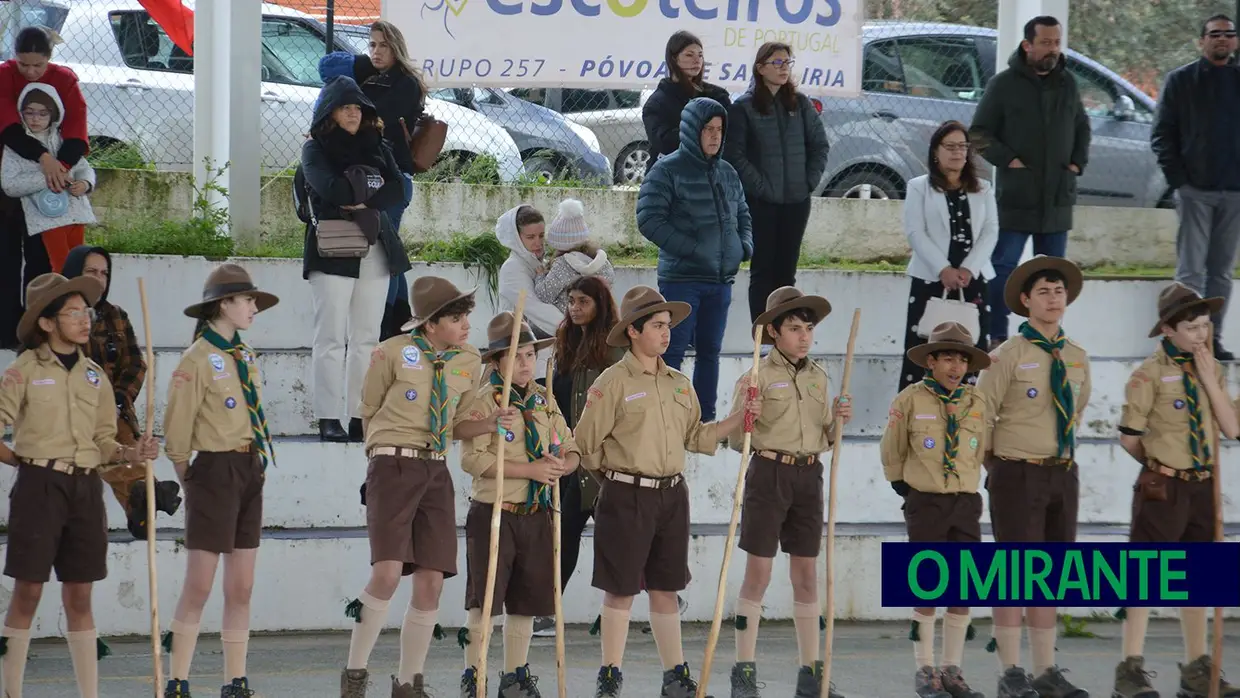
65, 415
641, 423
206, 405
1155, 404
796, 412
481, 453
1020, 409
396, 395
912, 445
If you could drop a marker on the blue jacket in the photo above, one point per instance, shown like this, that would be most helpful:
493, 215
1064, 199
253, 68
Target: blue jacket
693, 207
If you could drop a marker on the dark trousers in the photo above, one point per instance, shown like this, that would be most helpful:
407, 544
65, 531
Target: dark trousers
22, 258
708, 318
778, 230
1005, 259
572, 525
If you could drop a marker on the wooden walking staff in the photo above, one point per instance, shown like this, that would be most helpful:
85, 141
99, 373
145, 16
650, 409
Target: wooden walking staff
150, 496
493, 556
737, 499
835, 461
1216, 652
556, 529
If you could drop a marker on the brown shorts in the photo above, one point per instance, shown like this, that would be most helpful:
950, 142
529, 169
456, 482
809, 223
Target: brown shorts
411, 513
1185, 516
224, 501
641, 538
57, 520
943, 518
524, 576
1032, 503
782, 509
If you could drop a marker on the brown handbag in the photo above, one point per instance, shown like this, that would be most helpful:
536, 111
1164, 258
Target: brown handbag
426, 142
337, 239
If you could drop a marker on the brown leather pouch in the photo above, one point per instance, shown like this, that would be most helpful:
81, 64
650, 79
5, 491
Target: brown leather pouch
1152, 486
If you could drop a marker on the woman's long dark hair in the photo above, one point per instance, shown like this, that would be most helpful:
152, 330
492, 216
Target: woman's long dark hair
586, 347
968, 175
762, 97
209, 312
677, 43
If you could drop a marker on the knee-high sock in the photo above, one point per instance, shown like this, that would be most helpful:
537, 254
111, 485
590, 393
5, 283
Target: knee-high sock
184, 639
1193, 626
473, 650
747, 637
615, 630
415, 641
366, 633
1008, 639
236, 647
805, 619
14, 663
923, 646
1042, 647
666, 630
955, 628
518, 631
85, 656
1135, 627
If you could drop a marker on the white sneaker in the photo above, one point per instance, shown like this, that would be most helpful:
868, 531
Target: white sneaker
544, 626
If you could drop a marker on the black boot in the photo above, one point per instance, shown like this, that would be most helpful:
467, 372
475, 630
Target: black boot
355, 430
331, 430
167, 496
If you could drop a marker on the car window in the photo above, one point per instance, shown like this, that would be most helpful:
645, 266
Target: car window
356, 42
291, 52
533, 95
487, 96
880, 71
941, 67
574, 100
1098, 94
15, 17
145, 46
448, 94
627, 99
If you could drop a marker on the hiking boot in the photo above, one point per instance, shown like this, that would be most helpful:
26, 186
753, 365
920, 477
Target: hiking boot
1132, 680
678, 683
177, 689
926, 684
469, 683
809, 683
1014, 683
544, 626
610, 681
1195, 680
745, 680
409, 690
239, 688
353, 683
1053, 684
519, 684
954, 683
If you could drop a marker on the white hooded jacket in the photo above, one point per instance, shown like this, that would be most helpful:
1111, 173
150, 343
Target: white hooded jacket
519, 273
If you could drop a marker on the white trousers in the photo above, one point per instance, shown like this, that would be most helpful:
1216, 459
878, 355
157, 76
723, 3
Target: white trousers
348, 314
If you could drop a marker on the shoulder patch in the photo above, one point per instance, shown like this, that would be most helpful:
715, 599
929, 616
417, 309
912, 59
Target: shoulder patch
180, 378
595, 392
11, 376
1140, 376
377, 356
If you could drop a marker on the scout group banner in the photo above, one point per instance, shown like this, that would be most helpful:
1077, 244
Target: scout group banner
619, 43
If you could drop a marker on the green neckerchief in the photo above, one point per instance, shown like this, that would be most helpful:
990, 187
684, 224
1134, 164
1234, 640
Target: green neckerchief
539, 493
1197, 443
951, 447
258, 421
1065, 403
439, 389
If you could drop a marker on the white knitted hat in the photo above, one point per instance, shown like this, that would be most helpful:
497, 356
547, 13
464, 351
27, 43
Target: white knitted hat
569, 228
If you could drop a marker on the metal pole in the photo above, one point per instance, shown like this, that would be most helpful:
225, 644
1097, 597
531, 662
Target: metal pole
331, 25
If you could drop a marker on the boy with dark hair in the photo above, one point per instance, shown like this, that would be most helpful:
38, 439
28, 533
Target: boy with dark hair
1167, 426
932, 454
1035, 389
783, 501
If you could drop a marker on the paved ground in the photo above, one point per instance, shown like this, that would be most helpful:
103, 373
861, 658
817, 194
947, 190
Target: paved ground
871, 661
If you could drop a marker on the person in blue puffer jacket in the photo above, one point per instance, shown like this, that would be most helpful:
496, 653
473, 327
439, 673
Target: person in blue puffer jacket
692, 207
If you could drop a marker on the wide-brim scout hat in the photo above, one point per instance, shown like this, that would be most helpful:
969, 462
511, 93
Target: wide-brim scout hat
226, 281
950, 336
499, 336
429, 295
1176, 298
640, 302
44, 289
1073, 280
788, 298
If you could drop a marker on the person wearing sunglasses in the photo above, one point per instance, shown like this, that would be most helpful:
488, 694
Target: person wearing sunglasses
1198, 148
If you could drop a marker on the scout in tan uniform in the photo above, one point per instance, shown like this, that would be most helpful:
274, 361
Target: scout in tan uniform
538, 452
1166, 426
640, 419
417, 391
1036, 388
783, 503
215, 409
60, 406
932, 454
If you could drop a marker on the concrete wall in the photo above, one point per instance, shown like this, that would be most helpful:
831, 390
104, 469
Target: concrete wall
847, 229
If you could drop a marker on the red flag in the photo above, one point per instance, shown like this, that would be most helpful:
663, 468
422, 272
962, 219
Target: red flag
175, 19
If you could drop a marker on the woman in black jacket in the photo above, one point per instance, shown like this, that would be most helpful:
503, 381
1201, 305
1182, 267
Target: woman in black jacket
661, 113
346, 151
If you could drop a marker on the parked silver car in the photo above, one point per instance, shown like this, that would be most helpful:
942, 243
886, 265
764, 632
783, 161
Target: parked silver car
615, 116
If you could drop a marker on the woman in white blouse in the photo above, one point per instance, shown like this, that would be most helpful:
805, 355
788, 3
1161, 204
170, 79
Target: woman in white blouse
952, 224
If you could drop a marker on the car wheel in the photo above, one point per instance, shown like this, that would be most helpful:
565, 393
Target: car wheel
631, 164
864, 185
545, 169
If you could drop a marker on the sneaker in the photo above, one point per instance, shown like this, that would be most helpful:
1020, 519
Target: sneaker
954, 683
809, 683
926, 684
239, 688
679, 683
1132, 680
409, 690
610, 681
544, 626
353, 683
745, 680
177, 689
519, 684
1014, 683
469, 683
1053, 684
1195, 679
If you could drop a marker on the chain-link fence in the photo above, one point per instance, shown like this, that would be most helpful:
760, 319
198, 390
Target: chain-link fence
925, 61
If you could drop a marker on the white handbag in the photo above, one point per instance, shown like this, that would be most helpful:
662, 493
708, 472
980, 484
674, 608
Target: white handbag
941, 310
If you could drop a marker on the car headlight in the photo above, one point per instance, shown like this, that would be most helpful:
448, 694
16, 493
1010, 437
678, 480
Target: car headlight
586, 135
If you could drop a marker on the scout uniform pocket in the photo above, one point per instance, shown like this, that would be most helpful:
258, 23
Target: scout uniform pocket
1152, 486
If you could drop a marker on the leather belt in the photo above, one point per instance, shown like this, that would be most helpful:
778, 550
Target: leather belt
59, 465
403, 452
780, 457
653, 483
1067, 462
520, 509
247, 448
1185, 475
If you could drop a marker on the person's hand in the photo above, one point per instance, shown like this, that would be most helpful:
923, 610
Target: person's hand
843, 408
147, 449
1203, 362
1074, 168
79, 187
54, 172
949, 278
182, 468
754, 406
965, 276
506, 418
548, 469
1016, 164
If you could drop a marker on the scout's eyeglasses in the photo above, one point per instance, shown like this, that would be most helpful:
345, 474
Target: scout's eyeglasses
79, 315
955, 147
782, 62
